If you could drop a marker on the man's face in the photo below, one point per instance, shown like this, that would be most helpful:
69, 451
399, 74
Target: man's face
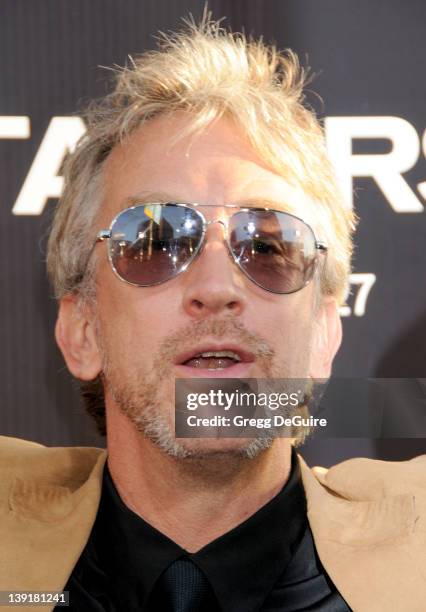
147, 334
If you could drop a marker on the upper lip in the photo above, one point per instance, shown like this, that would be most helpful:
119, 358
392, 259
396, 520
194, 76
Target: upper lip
245, 355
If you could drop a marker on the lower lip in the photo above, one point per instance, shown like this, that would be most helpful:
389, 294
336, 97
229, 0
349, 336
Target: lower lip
239, 370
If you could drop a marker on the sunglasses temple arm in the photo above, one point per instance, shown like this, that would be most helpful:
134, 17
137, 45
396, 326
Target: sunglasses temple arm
103, 235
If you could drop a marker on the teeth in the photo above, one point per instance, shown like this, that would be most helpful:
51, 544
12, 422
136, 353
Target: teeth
229, 354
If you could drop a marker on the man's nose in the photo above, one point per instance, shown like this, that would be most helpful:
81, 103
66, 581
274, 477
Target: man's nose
213, 282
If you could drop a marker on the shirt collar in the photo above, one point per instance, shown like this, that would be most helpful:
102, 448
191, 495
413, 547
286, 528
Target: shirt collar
242, 565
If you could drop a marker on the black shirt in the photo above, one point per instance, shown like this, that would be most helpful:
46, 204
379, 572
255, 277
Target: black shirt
267, 563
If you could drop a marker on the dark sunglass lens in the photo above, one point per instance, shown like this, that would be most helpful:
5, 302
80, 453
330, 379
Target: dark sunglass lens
277, 251
153, 243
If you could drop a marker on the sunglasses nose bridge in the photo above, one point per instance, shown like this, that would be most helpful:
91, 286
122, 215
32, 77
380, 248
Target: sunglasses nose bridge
223, 223
225, 240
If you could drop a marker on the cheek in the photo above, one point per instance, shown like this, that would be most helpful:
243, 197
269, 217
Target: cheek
289, 321
132, 320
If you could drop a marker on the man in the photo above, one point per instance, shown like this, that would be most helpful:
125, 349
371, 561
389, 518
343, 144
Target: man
160, 275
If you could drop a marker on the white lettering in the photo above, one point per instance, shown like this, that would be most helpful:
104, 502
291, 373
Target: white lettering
42, 181
17, 127
365, 282
386, 169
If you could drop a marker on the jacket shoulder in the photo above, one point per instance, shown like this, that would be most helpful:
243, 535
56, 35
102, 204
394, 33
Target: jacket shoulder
63, 466
368, 519
373, 479
48, 503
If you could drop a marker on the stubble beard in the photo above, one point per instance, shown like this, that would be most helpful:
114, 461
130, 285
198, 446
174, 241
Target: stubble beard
138, 391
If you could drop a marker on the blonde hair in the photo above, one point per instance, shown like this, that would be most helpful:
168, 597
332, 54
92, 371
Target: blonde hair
207, 72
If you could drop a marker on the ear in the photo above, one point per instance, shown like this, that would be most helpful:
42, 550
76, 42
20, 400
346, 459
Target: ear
327, 338
75, 335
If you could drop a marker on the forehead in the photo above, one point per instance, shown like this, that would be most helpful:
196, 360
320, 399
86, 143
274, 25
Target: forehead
215, 166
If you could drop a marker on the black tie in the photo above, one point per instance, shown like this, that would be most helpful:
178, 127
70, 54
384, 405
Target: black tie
182, 588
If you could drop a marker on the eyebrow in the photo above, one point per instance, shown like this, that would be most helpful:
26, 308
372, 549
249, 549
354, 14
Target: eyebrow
267, 203
160, 197
151, 197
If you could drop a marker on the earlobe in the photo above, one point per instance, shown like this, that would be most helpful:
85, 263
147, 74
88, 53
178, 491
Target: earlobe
75, 335
327, 338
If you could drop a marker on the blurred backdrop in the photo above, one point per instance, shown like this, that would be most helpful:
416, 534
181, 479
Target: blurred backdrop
369, 60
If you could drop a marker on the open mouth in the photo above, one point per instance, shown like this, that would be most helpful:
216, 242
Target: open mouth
215, 359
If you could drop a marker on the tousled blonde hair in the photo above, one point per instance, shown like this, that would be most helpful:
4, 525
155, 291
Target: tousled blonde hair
207, 72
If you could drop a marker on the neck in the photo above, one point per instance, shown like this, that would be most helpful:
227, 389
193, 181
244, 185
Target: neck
192, 501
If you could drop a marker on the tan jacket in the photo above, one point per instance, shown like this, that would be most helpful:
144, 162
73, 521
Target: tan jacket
368, 519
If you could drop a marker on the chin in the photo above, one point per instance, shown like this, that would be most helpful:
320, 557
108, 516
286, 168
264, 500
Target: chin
199, 448
160, 432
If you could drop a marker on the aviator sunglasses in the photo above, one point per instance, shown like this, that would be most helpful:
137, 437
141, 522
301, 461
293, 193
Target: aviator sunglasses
149, 244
